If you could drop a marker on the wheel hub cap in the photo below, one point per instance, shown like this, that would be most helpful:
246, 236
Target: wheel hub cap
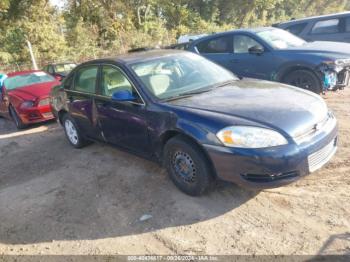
184, 167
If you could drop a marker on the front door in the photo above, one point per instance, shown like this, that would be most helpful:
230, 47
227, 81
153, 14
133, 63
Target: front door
247, 64
123, 123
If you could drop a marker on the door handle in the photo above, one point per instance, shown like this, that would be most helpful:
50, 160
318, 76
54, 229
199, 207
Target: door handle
234, 61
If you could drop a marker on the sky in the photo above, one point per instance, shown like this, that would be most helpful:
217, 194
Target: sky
58, 3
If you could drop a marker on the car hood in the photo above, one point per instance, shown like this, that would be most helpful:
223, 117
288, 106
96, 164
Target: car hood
339, 50
32, 92
278, 106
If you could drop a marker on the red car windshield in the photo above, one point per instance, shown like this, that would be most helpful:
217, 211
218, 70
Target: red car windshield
27, 79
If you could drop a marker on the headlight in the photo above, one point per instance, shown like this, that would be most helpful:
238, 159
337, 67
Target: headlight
27, 104
250, 137
342, 62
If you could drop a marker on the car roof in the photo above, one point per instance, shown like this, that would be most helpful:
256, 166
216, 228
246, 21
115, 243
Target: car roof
244, 30
320, 17
61, 63
22, 72
133, 57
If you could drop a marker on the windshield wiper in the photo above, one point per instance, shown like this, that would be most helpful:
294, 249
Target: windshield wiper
198, 91
187, 94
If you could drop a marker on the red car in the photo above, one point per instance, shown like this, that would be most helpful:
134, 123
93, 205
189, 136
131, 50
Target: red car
24, 97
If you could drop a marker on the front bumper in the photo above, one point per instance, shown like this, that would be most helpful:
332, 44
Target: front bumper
36, 114
272, 167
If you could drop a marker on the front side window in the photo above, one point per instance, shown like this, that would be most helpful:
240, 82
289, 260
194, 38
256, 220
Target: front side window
242, 44
113, 80
181, 74
217, 45
347, 24
27, 80
330, 26
280, 39
85, 80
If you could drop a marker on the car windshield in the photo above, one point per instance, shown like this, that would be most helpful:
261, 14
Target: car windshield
181, 75
61, 68
27, 79
280, 39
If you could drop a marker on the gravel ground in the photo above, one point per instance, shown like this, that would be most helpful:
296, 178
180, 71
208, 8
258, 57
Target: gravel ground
58, 200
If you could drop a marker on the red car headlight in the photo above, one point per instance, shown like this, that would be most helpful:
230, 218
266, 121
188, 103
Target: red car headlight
27, 104
44, 102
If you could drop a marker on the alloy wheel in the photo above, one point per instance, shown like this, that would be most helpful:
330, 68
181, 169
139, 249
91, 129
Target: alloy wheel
71, 132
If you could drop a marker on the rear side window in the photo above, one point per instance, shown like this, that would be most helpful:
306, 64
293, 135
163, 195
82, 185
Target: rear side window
50, 70
85, 80
330, 26
296, 29
217, 45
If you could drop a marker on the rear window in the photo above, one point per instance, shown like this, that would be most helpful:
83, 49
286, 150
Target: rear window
27, 79
296, 29
330, 26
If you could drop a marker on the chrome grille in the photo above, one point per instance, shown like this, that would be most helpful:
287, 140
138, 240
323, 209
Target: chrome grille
319, 158
326, 125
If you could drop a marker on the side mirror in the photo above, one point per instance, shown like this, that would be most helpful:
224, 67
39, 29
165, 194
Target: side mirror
256, 50
123, 95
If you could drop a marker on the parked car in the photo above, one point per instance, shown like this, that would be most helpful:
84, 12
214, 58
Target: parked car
24, 97
59, 70
334, 27
274, 54
196, 118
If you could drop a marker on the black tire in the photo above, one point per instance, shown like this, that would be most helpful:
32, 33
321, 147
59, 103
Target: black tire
16, 119
304, 79
79, 140
183, 156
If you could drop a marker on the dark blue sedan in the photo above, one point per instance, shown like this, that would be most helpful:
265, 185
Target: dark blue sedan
277, 55
197, 119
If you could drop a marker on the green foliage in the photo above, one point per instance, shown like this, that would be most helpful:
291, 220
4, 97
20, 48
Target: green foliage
88, 29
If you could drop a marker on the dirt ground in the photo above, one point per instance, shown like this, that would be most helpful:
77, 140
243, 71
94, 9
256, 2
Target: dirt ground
58, 200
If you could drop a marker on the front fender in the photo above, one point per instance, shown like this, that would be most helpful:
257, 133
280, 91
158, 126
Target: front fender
197, 132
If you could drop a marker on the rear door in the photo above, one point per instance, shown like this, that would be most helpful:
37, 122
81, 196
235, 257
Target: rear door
80, 102
218, 50
346, 22
122, 123
327, 30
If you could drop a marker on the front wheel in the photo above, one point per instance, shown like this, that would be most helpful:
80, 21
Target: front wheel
72, 132
187, 166
18, 122
304, 79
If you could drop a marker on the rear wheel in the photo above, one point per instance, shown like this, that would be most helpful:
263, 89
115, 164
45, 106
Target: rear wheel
16, 119
72, 132
187, 166
304, 79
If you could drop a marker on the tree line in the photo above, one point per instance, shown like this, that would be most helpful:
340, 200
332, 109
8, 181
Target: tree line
84, 29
